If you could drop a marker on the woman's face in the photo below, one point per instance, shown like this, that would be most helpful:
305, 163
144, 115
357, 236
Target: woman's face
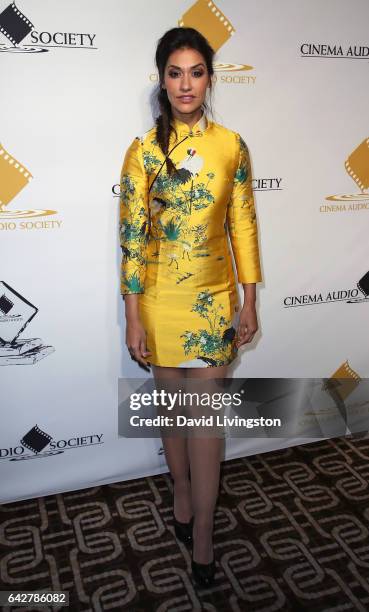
186, 79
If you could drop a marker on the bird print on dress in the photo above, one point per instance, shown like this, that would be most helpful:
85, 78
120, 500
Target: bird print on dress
189, 167
173, 200
174, 231
214, 344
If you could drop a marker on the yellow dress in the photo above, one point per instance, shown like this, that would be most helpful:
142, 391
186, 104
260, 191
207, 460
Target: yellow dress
173, 235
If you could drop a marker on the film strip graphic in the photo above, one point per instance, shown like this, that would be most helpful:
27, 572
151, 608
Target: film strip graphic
363, 284
357, 165
5, 304
14, 25
13, 177
344, 380
341, 384
36, 439
346, 371
206, 17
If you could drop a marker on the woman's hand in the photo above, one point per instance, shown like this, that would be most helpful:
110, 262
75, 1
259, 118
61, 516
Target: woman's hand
136, 342
247, 324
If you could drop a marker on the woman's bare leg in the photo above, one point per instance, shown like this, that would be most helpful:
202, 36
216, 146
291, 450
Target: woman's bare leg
176, 455
205, 455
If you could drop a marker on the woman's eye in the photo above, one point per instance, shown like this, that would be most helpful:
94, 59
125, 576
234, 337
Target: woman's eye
174, 74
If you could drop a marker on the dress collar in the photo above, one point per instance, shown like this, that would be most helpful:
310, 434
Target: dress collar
197, 130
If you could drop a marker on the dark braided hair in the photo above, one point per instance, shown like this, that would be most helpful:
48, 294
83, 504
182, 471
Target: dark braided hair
174, 39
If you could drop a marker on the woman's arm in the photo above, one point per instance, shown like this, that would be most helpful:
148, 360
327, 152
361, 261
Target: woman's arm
135, 333
248, 321
133, 234
249, 293
131, 307
133, 220
243, 232
241, 218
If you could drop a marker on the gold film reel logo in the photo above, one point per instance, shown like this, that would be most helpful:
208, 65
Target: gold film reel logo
342, 412
14, 176
357, 166
344, 380
208, 19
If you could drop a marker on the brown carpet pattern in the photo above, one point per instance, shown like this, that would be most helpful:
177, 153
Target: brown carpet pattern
291, 533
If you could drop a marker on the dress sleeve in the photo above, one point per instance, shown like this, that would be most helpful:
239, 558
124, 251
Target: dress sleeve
133, 220
241, 219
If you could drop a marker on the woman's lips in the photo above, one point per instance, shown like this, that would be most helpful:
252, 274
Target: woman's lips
186, 98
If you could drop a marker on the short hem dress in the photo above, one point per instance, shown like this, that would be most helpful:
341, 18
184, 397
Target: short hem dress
175, 231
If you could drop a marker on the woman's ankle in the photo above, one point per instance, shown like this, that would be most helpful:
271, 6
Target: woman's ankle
203, 555
203, 551
182, 504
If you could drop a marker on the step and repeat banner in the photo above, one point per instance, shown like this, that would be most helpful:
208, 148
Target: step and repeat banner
77, 80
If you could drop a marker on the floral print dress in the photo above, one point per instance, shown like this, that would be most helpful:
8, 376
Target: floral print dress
174, 239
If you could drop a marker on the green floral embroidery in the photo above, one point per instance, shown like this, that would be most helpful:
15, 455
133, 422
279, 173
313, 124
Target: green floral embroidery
243, 170
151, 162
180, 194
243, 195
133, 283
181, 199
171, 230
215, 344
199, 231
133, 233
127, 186
241, 174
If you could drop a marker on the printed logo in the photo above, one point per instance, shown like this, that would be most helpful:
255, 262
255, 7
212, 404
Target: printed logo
357, 166
258, 184
14, 176
16, 27
41, 444
208, 19
36, 439
337, 51
350, 296
344, 380
345, 415
15, 314
267, 184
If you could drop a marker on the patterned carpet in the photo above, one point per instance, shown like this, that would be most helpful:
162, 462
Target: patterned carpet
291, 533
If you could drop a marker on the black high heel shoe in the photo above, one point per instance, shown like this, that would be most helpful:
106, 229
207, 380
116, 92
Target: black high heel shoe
203, 573
183, 531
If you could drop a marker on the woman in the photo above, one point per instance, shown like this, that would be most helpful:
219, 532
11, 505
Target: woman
182, 184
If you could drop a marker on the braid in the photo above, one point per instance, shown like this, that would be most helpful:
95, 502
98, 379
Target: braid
164, 128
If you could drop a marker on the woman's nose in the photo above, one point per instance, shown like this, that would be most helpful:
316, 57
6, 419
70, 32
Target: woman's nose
186, 83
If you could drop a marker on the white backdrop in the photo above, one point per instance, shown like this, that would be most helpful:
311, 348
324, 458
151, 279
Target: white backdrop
75, 92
